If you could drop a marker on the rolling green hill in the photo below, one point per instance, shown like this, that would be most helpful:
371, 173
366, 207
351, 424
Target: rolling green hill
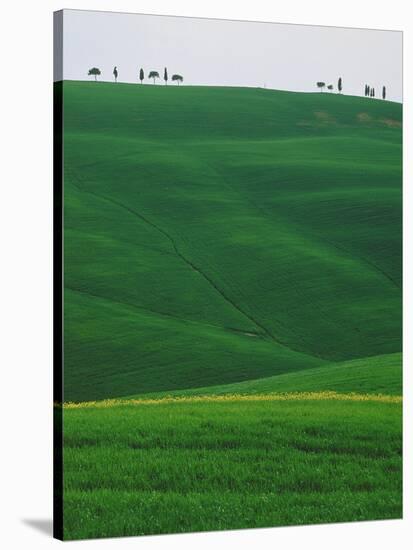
222, 235
223, 242
370, 375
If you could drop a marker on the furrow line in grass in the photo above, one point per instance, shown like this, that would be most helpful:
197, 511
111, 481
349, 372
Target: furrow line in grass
264, 212
366, 261
319, 237
158, 313
196, 268
121, 241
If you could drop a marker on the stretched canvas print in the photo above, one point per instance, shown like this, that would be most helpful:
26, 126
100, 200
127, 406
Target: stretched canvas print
227, 274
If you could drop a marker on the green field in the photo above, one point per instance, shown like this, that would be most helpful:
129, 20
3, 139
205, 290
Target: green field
148, 469
227, 241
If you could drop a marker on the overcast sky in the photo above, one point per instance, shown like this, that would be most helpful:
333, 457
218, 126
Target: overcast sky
231, 53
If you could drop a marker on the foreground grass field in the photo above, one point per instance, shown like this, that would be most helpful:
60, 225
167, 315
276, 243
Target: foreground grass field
194, 465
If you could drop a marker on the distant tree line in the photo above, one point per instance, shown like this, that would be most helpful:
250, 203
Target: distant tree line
95, 71
371, 92
368, 90
321, 85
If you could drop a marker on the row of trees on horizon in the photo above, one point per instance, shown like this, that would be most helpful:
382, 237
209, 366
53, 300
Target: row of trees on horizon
371, 92
95, 71
368, 90
330, 87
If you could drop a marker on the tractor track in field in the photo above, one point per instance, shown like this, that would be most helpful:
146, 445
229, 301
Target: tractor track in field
264, 331
159, 313
364, 260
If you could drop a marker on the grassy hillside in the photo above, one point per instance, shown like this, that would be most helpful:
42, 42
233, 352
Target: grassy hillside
371, 375
219, 235
234, 247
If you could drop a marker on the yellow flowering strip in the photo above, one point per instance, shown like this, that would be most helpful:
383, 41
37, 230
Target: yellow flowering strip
294, 396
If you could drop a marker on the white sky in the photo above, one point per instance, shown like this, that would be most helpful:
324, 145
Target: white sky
231, 53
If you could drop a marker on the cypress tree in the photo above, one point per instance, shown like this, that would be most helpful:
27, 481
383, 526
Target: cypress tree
340, 84
165, 75
141, 75
384, 92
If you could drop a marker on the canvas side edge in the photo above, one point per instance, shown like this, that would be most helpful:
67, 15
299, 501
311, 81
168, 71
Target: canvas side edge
58, 275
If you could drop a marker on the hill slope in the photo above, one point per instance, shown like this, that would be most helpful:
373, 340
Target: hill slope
370, 375
215, 235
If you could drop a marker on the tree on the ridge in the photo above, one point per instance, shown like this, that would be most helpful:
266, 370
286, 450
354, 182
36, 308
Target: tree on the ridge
141, 75
165, 75
115, 73
154, 75
177, 78
384, 92
340, 84
321, 85
94, 71
330, 87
